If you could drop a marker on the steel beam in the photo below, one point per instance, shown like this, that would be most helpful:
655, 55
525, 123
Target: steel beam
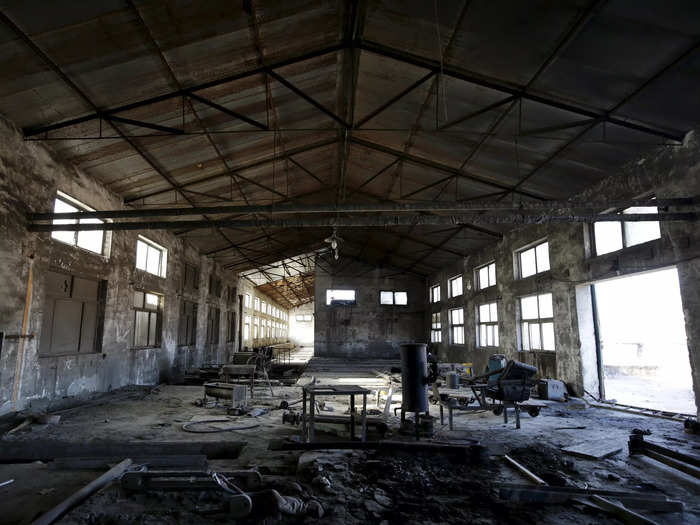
372, 221
379, 207
394, 99
228, 111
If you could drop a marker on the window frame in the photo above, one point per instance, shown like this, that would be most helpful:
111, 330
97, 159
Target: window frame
158, 310
246, 328
393, 298
79, 206
162, 260
456, 326
534, 320
436, 327
623, 225
190, 332
341, 302
450, 292
490, 323
477, 275
533, 246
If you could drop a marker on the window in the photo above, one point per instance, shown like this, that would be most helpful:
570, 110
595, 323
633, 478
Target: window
435, 328
151, 257
148, 319
269, 328
612, 236
457, 326
340, 297
454, 286
187, 331
533, 260
263, 307
435, 293
269, 309
487, 325
246, 302
213, 325
255, 327
397, 298
246, 328
304, 318
230, 326
89, 240
190, 277
485, 276
214, 285
256, 302
73, 310
536, 322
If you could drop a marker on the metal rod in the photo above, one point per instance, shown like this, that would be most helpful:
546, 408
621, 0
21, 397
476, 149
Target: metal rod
542, 206
370, 221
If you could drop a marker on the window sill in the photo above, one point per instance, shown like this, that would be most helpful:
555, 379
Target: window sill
146, 347
537, 351
149, 273
546, 273
80, 248
67, 354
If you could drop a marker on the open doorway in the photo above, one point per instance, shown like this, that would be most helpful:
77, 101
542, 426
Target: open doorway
644, 351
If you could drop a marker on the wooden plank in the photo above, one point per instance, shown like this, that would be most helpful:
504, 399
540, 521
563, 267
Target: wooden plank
593, 450
84, 493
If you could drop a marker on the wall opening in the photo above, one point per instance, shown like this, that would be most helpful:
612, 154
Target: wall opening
644, 352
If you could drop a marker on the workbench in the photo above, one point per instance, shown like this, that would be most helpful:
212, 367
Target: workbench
310, 392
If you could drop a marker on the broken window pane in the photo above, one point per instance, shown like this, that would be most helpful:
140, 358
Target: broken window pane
153, 261
542, 253
340, 296
492, 274
608, 237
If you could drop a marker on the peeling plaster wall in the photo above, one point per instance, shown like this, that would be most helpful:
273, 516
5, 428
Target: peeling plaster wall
667, 172
30, 174
368, 329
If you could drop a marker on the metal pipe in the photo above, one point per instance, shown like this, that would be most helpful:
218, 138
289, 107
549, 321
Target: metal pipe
550, 206
366, 222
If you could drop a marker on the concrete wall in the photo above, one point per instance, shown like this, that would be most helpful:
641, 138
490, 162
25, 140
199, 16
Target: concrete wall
667, 172
367, 329
301, 333
30, 174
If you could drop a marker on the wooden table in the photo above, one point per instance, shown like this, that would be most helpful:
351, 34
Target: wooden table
311, 391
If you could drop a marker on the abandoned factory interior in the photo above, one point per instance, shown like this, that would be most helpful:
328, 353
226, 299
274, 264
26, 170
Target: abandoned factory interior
349, 262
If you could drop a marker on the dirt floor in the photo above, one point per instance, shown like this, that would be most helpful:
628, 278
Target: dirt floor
356, 486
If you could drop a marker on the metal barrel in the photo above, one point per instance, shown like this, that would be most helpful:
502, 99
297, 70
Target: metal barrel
414, 377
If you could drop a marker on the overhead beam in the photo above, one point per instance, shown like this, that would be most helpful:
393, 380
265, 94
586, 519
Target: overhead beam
372, 221
228, 111
394, 99
378, 207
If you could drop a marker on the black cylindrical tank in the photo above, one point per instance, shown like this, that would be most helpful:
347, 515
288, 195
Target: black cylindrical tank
414, 377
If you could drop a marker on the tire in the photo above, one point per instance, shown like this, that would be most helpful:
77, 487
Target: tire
533, 411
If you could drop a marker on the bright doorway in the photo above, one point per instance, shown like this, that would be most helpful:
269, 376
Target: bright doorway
643, 342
